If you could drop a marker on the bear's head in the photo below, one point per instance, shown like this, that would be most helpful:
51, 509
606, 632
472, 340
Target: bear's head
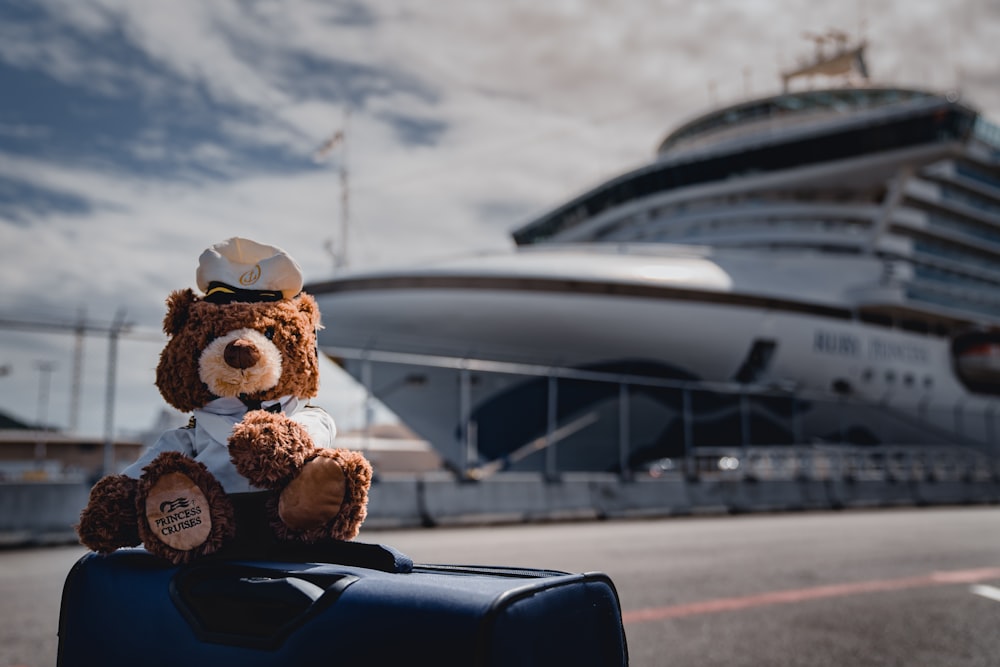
252, 344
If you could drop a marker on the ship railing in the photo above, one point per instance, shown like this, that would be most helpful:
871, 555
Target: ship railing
715, 426
897, 463
988, 133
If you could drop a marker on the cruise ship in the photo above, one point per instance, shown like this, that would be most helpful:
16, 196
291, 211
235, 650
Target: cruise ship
813, 268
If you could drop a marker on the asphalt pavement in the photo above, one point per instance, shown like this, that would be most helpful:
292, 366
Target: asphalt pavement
881, 587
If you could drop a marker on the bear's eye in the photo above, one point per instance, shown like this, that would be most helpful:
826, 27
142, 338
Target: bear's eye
269, 333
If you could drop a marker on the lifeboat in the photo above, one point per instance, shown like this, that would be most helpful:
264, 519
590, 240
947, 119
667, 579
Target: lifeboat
977, 361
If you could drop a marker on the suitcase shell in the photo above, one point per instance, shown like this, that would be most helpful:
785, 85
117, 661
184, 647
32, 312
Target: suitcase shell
131, 608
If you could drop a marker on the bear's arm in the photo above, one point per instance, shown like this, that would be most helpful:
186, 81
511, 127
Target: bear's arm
176, 440
318, 423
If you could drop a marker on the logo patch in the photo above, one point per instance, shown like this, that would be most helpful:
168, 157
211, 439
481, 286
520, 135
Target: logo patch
177, 512
168, 506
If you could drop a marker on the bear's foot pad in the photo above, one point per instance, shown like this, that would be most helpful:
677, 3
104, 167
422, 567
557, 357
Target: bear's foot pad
177, 512
315, 496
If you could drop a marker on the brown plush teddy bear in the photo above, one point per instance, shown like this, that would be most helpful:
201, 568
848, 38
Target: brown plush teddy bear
255, 462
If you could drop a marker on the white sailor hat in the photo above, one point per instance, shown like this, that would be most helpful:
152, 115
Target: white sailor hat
243, 270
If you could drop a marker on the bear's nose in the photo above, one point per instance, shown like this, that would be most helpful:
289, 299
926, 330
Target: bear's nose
241, 354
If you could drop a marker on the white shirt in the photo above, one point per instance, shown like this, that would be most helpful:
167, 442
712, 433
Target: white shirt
207, 440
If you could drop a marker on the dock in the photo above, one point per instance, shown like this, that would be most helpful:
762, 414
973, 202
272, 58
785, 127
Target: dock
748, 480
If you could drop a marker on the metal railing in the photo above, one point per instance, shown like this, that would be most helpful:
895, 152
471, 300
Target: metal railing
720, 429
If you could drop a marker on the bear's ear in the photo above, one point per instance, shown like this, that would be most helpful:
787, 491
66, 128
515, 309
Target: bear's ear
308, 307
178, 306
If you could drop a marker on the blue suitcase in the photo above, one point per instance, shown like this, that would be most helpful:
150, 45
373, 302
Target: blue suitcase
341, 604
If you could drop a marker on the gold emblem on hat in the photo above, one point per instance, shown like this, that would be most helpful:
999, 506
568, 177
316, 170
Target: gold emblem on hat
251, 276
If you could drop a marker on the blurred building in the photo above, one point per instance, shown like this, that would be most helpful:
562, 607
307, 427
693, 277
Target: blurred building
28, 453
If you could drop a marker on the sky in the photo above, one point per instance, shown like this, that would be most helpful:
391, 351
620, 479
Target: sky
136, 133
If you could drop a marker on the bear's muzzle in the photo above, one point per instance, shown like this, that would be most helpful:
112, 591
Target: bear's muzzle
243, 361
241, 353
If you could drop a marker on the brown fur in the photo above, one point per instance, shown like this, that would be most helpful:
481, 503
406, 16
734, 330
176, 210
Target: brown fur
269, 449
220, 507
109, 520
192, 324
347, 523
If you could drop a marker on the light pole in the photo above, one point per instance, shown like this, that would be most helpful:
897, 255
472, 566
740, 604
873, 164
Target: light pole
117, 326
45, 369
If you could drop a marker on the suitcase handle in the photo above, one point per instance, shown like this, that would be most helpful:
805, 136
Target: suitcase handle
358, 554
248, 606
335, 552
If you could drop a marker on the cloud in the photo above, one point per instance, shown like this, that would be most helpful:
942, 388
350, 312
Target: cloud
22, 201
134, 133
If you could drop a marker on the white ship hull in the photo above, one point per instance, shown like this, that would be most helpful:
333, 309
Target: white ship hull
409, 337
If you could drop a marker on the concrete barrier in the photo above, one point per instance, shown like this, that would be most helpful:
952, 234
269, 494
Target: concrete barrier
814, 494
40, 512
611, 498
506, 498
772, 496
949, 492
396, 503
45, 512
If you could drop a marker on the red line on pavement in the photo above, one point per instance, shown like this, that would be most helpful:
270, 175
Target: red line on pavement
813, 593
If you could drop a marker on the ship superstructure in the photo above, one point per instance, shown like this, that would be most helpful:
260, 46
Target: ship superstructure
816, 266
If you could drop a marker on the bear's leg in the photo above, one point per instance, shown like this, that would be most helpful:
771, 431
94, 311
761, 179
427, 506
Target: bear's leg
327, 499
108, 522
269, 449
183, 510
320, 493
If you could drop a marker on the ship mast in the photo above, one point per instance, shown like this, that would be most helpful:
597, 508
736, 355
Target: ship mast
338, 138
842, 61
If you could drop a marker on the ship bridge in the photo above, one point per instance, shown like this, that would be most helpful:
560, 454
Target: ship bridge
782, 112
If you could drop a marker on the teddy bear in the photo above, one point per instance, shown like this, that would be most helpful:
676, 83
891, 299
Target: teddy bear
256, 461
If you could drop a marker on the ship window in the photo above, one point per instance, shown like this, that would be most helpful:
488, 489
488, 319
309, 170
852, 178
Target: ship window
876, 318
967, 255
908, 380
975, 201
867, 375
841, 387
890, 376
915, 325
900, 133
976, 174
952, 300
963, 226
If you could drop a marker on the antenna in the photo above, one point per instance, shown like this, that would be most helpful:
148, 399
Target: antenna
338, 138
953, 43
76, 383
819, 40
839, 37
344, 196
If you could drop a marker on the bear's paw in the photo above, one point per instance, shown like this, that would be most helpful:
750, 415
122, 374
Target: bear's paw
184, 512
